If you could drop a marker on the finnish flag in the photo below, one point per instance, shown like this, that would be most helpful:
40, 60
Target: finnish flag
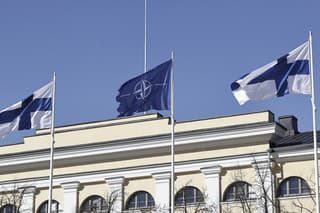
287, 75
33, 112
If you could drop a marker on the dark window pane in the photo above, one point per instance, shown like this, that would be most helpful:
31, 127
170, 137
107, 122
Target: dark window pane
283, 189
294, 185
304, 187
189, 195
199, 197
8, 209
141, 199
230, 193
150, 200
131, 203
240, 190
179, 198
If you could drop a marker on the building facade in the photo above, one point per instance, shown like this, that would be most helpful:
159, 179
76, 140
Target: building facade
238, 163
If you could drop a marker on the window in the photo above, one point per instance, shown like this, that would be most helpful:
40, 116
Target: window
293, 186
140, 200
238, 191
44, 207
188, 195
92, 204
9, 208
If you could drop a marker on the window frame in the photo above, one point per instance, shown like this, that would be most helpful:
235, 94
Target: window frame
136, 201
3, 210
45, 203
288, 188
197, 198
91, 199
235, 196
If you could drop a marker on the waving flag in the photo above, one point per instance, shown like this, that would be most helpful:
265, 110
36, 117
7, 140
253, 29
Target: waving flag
289, 74
33, 112
146, 92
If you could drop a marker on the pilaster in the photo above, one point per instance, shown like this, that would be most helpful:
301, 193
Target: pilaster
213, 186
28, 199
70, 196
162, 198
115, 193
264, 187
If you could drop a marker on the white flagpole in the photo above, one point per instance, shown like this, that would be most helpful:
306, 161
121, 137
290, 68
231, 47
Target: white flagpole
314, 111
145, 40
145, 36
52, 144
172, 135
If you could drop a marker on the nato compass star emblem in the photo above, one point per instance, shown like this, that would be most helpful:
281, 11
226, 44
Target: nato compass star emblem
142, 89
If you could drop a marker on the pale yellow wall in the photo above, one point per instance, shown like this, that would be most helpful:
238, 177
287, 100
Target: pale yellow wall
139, 184
224, 121
222, 152
289, 204
102, 134
42, 196
195, 179
92, 135
304, 169
237, 207
98, 188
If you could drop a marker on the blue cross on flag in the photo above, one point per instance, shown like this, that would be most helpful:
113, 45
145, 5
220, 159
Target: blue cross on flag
146, 92
289, 74
33, 112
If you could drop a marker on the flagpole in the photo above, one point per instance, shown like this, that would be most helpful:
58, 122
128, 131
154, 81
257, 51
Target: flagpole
145, 36
172, 134
52, 144
145, 40
314, 111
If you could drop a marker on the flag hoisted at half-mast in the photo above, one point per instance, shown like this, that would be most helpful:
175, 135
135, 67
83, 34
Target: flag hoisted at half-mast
146, 92
289, 74
33, 112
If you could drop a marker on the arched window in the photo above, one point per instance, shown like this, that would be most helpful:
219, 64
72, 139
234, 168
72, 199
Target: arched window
9, 208
238, 191
44, 207
293, 186
140, 200
93, 203
188, 195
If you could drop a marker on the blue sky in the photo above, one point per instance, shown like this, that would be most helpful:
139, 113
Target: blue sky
95, 46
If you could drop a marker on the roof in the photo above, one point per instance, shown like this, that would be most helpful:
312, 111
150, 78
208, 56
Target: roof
297, 139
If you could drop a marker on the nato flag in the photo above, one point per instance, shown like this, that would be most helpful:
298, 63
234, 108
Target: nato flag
146, 92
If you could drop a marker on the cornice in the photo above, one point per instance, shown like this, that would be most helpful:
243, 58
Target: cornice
293, 153
156, 171
137, 147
